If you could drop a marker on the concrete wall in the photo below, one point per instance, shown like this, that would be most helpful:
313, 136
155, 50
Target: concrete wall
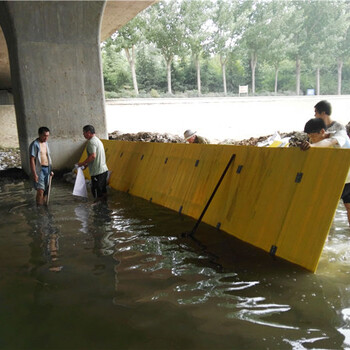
6, 98
56, 72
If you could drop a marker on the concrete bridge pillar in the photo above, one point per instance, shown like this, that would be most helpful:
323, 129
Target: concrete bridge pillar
56, 72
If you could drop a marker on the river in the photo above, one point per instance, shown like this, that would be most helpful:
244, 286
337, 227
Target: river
121, 276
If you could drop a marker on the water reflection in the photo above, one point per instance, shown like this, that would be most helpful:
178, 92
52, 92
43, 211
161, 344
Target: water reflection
127, 265
45, 239
82, 214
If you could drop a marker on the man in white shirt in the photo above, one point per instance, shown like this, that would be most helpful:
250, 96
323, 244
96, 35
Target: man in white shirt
319, 137
323, 110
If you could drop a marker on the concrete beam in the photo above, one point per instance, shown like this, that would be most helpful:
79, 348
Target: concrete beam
115, 15
54, 50
118, 13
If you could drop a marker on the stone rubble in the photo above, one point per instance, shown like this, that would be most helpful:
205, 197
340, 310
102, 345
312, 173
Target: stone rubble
10, 158
146, 137
295, 137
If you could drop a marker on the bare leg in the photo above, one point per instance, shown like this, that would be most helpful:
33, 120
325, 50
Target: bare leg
40, 197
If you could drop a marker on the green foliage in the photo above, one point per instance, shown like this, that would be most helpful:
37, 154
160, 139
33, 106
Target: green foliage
268, 35
154, 93
165, 28
115, 69
130, 34
150, 69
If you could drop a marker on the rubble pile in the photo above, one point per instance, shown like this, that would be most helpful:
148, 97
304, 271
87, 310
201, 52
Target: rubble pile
295, 138
10, 158
146, 137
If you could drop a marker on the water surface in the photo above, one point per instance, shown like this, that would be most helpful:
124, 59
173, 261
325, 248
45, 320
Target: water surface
121, 276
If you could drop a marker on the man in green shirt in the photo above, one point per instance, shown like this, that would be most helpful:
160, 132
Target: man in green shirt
96, 160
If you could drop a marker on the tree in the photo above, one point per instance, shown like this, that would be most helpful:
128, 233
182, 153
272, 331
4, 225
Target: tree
196, 30
324, 36
150, 68
279, 37
255, 37
199, 41
342, 50
295, 27
342, 53
115, 67
229, 19
126, 39
165, 29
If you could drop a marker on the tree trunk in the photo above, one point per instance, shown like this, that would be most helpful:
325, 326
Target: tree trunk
198, 68
297, 73
276, 79
168, 65
317, 81
223, 68
253, 61
340, 70
131, 59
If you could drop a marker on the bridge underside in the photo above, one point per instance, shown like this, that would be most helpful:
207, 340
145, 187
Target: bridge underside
50, 62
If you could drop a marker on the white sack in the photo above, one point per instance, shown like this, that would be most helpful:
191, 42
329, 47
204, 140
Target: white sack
80, 185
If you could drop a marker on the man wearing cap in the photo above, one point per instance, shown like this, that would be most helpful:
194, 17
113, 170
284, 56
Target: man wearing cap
319, 137
192, 137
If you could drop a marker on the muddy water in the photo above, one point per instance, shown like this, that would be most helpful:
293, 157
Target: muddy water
120, 276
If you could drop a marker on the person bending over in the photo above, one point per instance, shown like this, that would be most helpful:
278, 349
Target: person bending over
319, 137
96, 160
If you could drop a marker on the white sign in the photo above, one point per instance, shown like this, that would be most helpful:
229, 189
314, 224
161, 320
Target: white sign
243, 89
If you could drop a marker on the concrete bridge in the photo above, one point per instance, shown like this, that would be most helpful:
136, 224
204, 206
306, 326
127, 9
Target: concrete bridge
50, 68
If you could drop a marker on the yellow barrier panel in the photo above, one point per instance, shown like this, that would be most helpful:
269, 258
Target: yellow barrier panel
281, 200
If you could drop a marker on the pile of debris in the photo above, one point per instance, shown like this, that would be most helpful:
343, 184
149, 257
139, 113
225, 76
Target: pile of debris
10, 158
10, 165
295, 138
145, 137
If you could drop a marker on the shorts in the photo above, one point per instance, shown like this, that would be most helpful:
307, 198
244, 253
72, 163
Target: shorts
43, 180
345, 196
99, 185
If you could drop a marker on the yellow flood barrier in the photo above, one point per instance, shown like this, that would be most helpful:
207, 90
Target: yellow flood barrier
281, 200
